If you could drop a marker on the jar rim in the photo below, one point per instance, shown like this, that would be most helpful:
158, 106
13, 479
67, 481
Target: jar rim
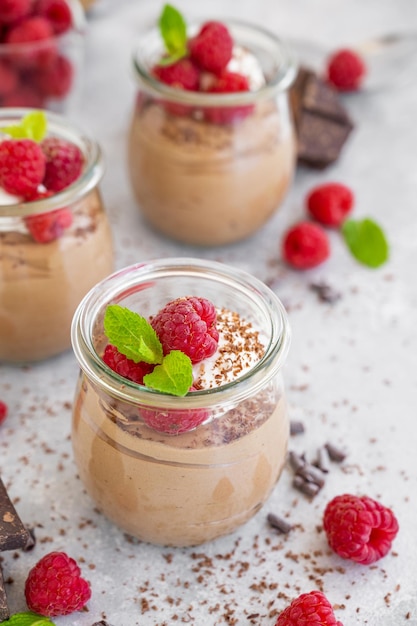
121, 388
90, 177
281, 80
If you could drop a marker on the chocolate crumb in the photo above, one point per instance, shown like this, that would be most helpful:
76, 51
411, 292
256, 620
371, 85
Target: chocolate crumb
278, 523
336, 454
296, 427
325, 292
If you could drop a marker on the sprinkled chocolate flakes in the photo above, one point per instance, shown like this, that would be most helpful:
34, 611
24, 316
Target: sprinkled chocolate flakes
278, 523
309, 478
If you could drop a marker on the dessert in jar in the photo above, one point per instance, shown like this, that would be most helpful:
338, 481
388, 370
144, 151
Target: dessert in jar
55, 239
211, 146
180, 425
41, 53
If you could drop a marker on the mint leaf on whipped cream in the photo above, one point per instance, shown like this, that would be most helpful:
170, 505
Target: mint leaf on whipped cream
173, 30
33, 126
174, 373
132, 335
27, 619
366, 241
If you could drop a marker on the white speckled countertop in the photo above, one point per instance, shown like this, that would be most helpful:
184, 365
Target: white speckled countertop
351, 374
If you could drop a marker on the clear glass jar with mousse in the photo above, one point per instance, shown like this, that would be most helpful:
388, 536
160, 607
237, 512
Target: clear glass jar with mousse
190, 487
41, 284
211, 168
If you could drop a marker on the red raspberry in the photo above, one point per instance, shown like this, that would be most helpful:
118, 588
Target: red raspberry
4, 409
23, 96
13, 10
174, 422
57, 12
305, 245
212, 47
228, 82
188, 324
182, 75
330, 203
32, 29
64, 163
22, 166
359, 528
54, 586
125, 367
8, 79
55, 79
309, 609
47, 227
345, 70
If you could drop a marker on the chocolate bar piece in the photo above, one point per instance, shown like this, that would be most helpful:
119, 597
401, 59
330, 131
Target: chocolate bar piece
321, 121
13, 533
4, 608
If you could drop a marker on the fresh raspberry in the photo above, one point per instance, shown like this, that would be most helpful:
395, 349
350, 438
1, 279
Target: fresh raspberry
24, 96
22, 166
125, 367
64, 163
182, 75
330, 203
309, 609
54, 586
9, 79
47, 227
359, 528
4, 409
228, 82
305, 245
212, 47
13, 10
32, 29
188, 324
346, 70
55, 79
174, 422
57, 12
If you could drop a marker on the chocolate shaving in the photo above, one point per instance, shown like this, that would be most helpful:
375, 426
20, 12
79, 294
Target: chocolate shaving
13, 533
309, 489
323, 460
336, 454
4, 608
278, 523
296, 428
297, 461
325, 292
311, 474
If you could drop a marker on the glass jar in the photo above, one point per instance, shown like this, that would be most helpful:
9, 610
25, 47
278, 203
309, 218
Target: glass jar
46, 73
210, 168
41, 284
187, 488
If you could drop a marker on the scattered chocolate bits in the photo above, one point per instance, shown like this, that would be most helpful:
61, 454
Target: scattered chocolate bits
309, 478
325, 292
278, 523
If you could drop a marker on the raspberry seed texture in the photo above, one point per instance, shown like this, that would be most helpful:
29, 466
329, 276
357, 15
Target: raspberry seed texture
309, 609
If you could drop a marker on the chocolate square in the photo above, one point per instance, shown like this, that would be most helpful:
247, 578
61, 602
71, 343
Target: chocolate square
13, 533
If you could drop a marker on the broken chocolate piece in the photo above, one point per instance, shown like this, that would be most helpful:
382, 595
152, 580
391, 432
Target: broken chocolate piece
278, 523
309, 489
325, 292
297, 461
336, 454
322, 123
4, 608
13, 533
311, 474
323, 460
296, 427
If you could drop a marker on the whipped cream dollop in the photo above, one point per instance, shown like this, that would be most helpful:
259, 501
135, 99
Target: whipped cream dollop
246, 63
240, 348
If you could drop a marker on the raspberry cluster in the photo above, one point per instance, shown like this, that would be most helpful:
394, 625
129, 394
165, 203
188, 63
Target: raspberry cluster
33, 70
31, 171
205, 69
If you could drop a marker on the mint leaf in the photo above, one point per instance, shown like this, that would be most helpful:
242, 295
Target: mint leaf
173, 376
366, 241
33, 126
132, 335
174, 32
27, 619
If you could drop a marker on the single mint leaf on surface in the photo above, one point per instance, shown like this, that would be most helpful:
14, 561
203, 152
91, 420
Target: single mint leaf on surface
174, 376
132, 335
367, 242
173, 31
33, 126
28, 619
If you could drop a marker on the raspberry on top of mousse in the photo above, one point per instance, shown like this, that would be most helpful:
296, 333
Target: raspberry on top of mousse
203, 63
34, 166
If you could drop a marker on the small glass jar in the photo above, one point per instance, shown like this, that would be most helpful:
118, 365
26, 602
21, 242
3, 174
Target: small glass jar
46, 73
187, 488
41, 284
209, 168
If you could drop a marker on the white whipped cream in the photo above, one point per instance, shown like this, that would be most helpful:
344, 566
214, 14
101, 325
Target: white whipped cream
246, 63
240, 347
7, 198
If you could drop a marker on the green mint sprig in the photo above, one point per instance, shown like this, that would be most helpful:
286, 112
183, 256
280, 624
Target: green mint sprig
27, 619
366, 241
32, 126
173, 29
134, 337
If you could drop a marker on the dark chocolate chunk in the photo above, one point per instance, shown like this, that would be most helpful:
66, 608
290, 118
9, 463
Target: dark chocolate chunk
323, 460
311, 474
13, 533
297, 461
336, 454
309, 489
325, 292
4, 608
278, 523
321, 121
296, 428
